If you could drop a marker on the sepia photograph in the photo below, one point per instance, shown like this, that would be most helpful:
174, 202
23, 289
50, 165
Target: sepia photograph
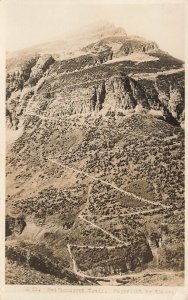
95, 143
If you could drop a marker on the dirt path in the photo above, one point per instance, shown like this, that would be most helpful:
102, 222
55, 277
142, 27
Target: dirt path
115, 277
136, 213
154, 75
73, 261
87, 201
106, 232
94, 225
112, 185
93, 247
111, 277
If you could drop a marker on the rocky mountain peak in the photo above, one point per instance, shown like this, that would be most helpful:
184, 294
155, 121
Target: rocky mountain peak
84, 76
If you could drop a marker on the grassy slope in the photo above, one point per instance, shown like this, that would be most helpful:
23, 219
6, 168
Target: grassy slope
140, 142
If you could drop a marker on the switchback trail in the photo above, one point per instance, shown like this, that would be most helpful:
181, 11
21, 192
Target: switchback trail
87, 201
136, 76
106, 232
110, 184
73, 261
137, 213
115, 277
94, 225
92, 247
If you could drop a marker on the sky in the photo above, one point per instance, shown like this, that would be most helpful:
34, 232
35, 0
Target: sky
32, 22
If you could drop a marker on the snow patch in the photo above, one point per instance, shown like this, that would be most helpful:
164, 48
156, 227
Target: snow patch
136, 57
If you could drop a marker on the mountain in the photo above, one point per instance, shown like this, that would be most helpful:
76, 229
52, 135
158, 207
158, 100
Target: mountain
95, 160
113, 70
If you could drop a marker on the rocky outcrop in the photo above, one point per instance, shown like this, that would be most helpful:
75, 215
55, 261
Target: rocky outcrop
121, 46
165, 93
17, 77
124, 93
42, 65
118, 92
98, 97
117, 260
31, 70
104, 56
14, 225
19, 86
41, 259
135, 46
121, 92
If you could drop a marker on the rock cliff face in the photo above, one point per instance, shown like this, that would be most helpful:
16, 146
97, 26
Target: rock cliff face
171, 94
38, 71
135, 46
19, 83
87, 83
17, 75
42, 91
94, 263
27, 254
14, 225
124, 93
121, 46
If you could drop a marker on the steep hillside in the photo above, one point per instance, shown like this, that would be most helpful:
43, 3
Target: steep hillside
95, 81
95, 173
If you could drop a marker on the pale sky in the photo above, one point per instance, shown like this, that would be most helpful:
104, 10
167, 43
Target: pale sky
33, 22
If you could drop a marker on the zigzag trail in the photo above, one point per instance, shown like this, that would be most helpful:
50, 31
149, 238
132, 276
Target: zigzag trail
115, 277
106, 232
112, 185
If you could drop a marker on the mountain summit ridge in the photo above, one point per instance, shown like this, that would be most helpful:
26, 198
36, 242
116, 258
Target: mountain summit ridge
91, 65
77, 40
